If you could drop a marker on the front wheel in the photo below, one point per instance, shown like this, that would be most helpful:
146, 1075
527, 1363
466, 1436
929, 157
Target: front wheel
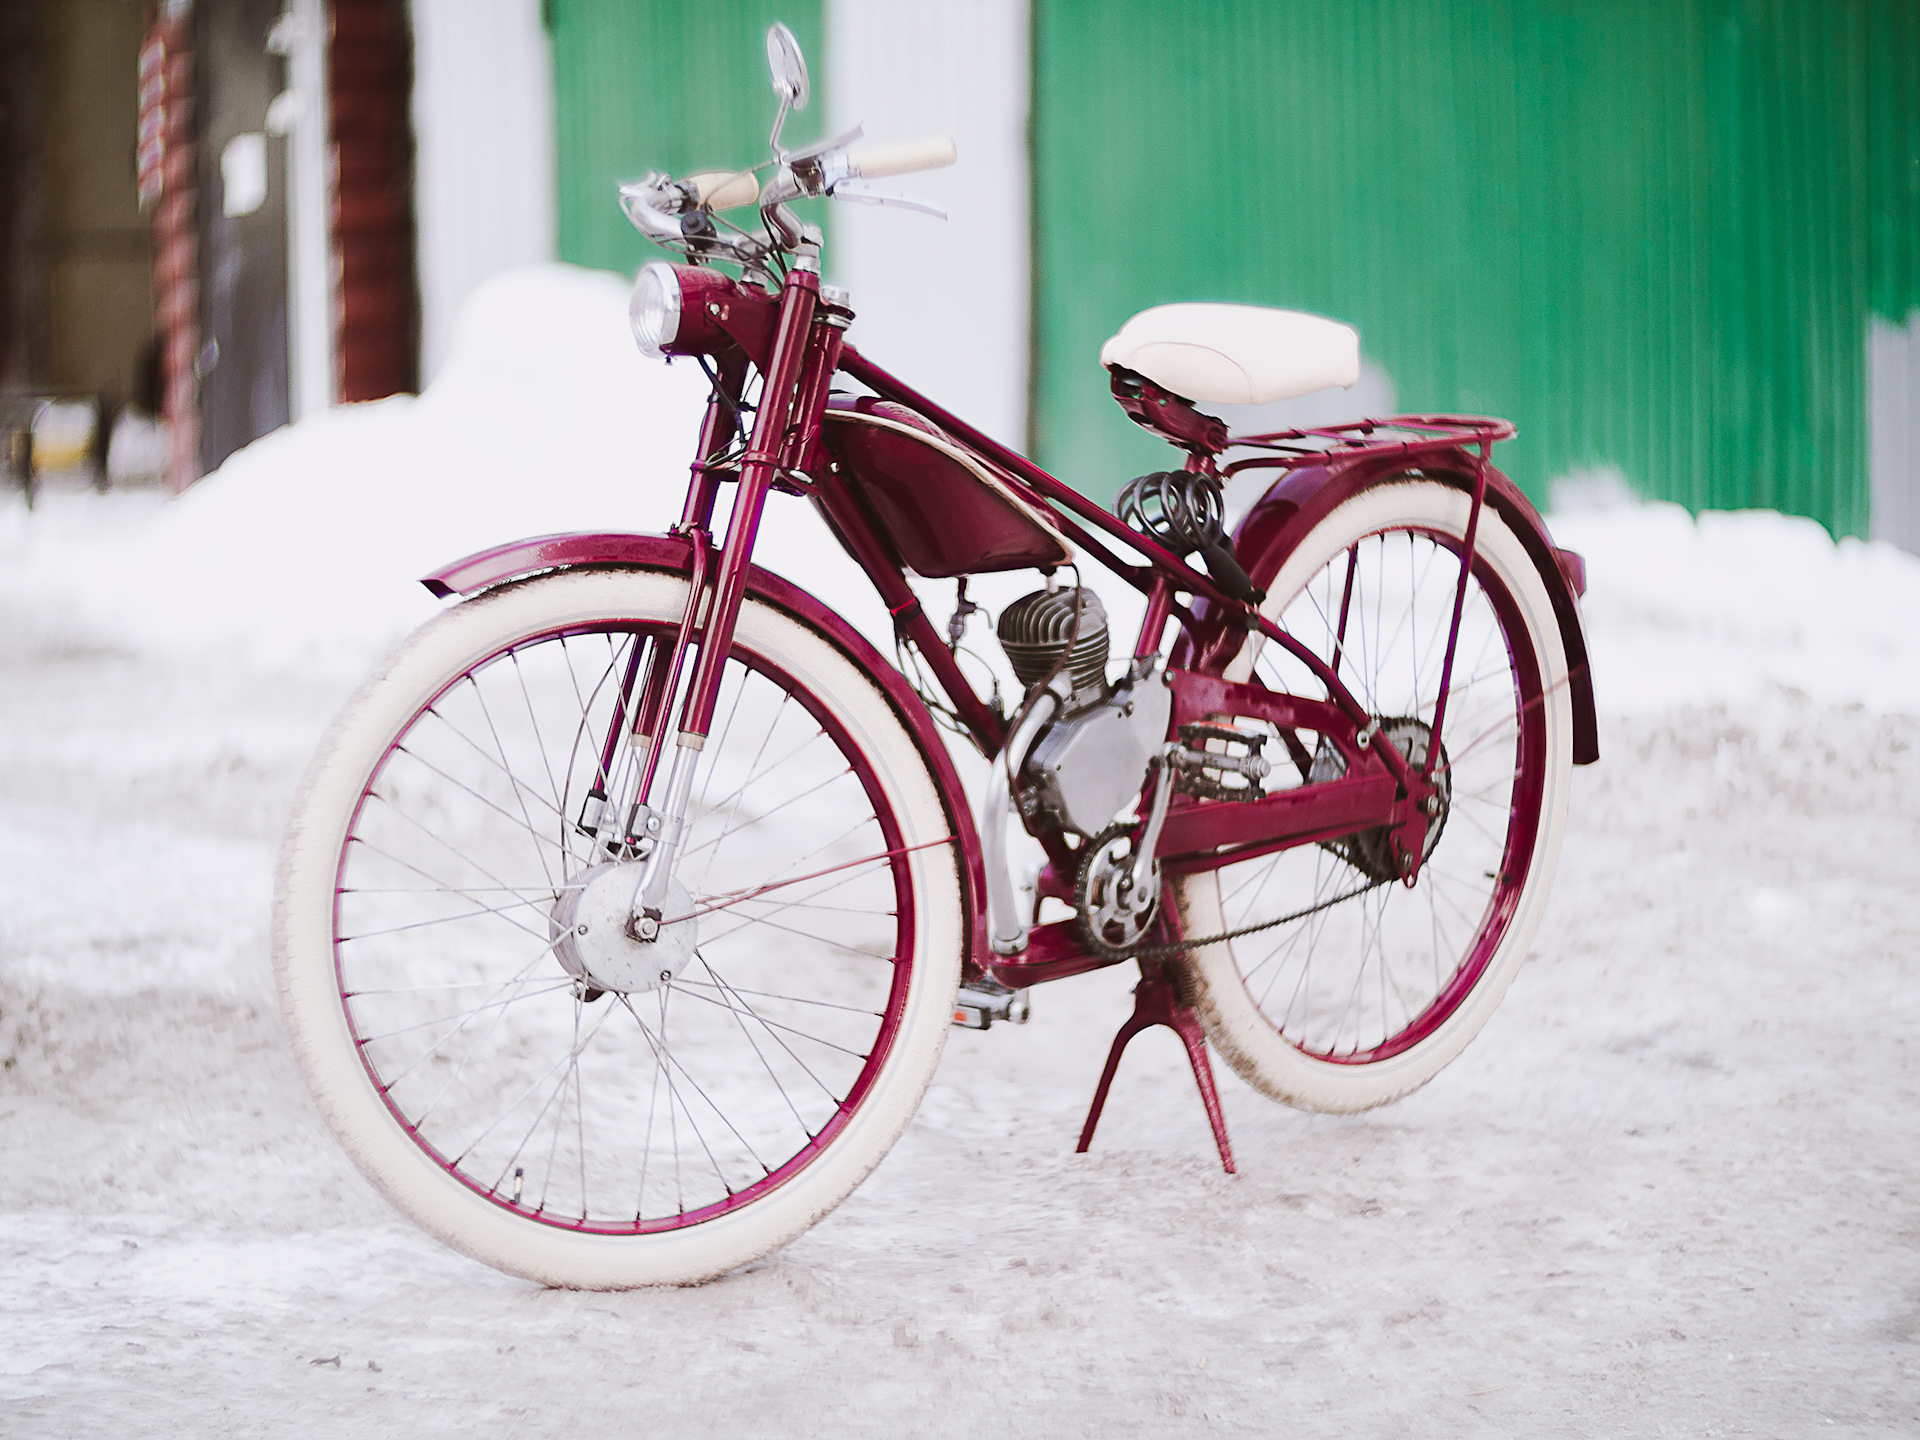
531, 1083
1370, 995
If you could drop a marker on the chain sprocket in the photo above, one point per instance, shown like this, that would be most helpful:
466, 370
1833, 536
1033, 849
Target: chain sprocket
1113, 919
1371, 851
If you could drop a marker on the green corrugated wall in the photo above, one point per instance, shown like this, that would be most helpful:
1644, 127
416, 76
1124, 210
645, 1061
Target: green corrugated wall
1650, 231
645, 85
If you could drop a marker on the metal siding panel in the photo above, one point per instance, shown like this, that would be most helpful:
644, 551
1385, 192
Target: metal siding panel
1893, 245
942, 304
1893, 140
483, 166
1638, 229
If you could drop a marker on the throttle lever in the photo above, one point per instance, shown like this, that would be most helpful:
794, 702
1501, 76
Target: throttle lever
821, 147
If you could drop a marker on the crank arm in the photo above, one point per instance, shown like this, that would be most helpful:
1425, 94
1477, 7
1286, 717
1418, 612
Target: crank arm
1146, 863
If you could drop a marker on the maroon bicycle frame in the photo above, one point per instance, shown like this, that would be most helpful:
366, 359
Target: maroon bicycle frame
795, 339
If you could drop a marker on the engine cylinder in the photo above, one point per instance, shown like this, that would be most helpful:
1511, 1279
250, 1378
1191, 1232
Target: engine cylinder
1037, 629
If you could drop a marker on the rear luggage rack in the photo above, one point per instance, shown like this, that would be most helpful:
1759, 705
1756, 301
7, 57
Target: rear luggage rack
1402, 435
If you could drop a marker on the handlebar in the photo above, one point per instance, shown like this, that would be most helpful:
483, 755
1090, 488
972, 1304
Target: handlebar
873, 162
667, 210
725, 189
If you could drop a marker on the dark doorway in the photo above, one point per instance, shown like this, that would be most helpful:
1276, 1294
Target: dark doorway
76, 296
243, 228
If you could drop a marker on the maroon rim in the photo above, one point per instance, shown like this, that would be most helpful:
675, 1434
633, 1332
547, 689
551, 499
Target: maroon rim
890, 1018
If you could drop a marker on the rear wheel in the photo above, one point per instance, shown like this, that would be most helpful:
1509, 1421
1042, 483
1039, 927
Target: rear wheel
1360, 1002
522, 1077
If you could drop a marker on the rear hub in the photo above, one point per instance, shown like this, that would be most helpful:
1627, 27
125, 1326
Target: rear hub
1371, 852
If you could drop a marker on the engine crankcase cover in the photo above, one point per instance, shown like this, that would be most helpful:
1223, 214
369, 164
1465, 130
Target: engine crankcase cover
1090, 764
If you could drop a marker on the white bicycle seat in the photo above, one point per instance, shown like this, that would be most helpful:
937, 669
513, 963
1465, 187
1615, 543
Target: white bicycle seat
1236, 354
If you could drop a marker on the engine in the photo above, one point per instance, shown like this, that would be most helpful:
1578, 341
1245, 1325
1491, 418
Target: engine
1093, 759
1081, 753
1037, 630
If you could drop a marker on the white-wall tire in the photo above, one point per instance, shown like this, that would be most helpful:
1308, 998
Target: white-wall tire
328, 1004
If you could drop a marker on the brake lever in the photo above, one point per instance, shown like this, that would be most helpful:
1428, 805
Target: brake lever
853, 190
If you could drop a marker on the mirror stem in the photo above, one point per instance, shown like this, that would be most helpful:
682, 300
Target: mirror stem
779, 123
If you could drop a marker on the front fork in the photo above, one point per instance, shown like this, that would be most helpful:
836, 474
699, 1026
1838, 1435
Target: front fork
792, 395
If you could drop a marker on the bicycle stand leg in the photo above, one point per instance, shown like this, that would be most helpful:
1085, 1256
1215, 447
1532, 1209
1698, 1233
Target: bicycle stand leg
1156, 1002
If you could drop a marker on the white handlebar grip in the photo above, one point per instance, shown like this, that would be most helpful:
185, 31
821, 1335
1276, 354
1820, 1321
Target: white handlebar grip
725, 189
880, 160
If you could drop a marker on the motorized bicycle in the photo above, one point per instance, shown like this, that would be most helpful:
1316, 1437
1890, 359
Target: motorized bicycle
625, 912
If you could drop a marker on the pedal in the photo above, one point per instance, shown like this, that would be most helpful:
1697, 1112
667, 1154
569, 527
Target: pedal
1204, 773
1196, 733
978, 1005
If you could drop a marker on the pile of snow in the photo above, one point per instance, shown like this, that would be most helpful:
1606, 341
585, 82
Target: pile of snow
307, 546
1740, 609
309, 543
1735, 609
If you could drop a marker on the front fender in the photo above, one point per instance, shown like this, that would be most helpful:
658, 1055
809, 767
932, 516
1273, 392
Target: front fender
521, 559
1303, 498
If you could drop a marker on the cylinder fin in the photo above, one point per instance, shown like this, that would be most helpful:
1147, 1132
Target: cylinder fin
1037, 629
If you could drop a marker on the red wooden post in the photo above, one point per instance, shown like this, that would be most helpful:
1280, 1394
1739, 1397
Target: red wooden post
169, 191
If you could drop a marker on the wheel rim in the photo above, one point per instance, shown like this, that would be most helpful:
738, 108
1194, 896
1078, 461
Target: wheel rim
656, 1109
1381, 970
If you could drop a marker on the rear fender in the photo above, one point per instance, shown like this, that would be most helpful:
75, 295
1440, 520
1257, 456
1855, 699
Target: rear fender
1303, 498
521, 559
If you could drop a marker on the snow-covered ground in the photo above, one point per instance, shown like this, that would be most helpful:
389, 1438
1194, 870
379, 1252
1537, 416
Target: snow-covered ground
1670, 1190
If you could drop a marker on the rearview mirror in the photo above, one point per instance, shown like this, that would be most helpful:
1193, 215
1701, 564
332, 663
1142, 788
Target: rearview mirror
789, 67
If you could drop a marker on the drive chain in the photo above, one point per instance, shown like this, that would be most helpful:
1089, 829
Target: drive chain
1160, 952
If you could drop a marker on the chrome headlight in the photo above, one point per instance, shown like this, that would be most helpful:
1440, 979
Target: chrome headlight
654, 310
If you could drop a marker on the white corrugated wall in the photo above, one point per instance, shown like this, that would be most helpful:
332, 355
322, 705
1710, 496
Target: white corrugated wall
483, 158
1893, 388
942, 304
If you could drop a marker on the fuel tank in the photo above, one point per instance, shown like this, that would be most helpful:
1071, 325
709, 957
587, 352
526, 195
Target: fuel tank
940, 509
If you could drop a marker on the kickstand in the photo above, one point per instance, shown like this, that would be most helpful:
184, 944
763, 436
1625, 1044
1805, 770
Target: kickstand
1156, 1002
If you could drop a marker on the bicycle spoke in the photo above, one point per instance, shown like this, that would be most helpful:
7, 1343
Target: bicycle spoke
672, 1091
464, 859
724, 988
682, 981
439, 920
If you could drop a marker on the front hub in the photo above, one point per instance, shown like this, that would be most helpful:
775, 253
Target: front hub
590, 938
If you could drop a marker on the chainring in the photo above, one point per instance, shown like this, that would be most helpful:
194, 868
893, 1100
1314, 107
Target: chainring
1111, 923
